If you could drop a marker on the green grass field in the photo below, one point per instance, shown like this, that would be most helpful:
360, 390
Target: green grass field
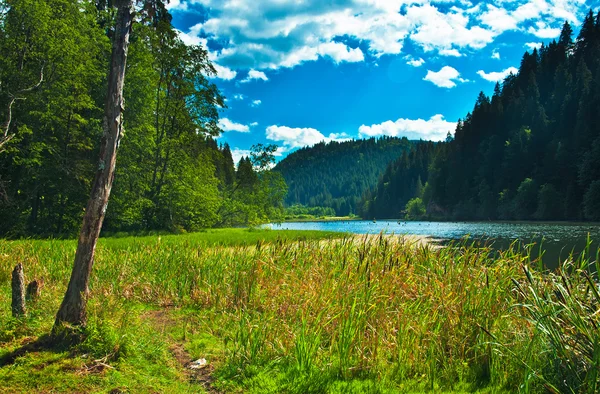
303, 312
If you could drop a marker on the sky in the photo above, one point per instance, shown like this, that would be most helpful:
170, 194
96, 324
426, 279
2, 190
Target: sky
298, 72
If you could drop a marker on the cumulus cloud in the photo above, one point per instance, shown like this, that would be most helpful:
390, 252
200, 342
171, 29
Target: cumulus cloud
450, 52
339, 52
253, 124
297, 137
415, 62
495, 54
435, 128
445, 78
239, 97
227, 125
435, 29
224, 73
256, 103
533, 45
497, 76
254, 74
270, 34
544, 32
498, 19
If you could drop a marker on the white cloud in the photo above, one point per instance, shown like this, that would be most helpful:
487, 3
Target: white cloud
270, 34
445, 78
227, 125
256, 103
434, 129
295, 137
224, 73
415, 62
545, 32
497, 76
495, 54
239, 97
191, 38
444, 31
498, 19
533, 45
253, 124
339, 52
254, 74
237, 154
450, 52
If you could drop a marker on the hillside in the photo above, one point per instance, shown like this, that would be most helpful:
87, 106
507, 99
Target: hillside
531, 151
336, 174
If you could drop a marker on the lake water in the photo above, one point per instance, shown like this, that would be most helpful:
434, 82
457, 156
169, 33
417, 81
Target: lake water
557, 239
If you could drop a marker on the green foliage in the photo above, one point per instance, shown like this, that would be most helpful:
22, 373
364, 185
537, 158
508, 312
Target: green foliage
526, 199
550, 204
401, 181
565, 325
592, 202
170, 174
256, 196
336, 174
299, 211
415, 209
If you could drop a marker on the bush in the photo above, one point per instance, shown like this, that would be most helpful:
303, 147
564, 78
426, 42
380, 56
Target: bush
591, 202
550, 203
415, 209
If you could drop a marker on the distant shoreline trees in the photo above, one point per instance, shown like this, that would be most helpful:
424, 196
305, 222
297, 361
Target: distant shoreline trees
335, 174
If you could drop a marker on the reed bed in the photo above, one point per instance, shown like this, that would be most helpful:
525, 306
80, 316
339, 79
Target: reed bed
378, 315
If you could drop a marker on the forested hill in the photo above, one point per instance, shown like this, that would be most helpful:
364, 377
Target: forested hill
531, 151
336, 174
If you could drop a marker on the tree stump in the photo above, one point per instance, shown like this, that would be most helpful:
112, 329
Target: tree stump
18, 291
34, 289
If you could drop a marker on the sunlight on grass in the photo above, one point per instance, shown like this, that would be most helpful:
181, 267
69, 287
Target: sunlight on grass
273, 312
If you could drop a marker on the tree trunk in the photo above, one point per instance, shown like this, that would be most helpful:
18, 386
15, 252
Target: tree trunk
18, 291
73, 308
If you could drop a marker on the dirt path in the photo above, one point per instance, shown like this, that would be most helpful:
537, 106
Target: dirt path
195, 372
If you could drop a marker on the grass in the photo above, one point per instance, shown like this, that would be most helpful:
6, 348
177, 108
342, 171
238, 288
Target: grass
291, 312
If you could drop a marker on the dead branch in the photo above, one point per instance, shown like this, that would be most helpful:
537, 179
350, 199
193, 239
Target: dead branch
6, 137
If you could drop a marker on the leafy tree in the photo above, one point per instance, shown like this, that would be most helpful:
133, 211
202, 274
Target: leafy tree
592, 202
550, 203
415, 209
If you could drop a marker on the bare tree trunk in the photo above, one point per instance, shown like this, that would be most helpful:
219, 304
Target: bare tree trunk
73, 308
18, 291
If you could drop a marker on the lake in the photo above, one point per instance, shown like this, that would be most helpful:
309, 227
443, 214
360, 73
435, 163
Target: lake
557, 239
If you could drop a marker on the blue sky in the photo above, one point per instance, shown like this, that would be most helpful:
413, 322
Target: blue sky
296, 72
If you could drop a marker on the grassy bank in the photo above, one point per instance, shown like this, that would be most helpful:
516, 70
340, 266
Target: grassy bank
289, 315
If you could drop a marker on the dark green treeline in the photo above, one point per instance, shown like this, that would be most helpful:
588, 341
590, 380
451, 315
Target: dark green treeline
171, 174
335, 174
531, 151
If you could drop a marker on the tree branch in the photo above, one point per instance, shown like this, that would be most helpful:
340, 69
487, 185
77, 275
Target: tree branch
6, 137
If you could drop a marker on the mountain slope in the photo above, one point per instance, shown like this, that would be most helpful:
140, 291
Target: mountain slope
336, 174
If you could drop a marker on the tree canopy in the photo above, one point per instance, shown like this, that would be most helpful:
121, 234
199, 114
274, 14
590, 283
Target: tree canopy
336, 174
171, 172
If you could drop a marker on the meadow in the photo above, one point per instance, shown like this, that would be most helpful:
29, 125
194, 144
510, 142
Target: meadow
304, 312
